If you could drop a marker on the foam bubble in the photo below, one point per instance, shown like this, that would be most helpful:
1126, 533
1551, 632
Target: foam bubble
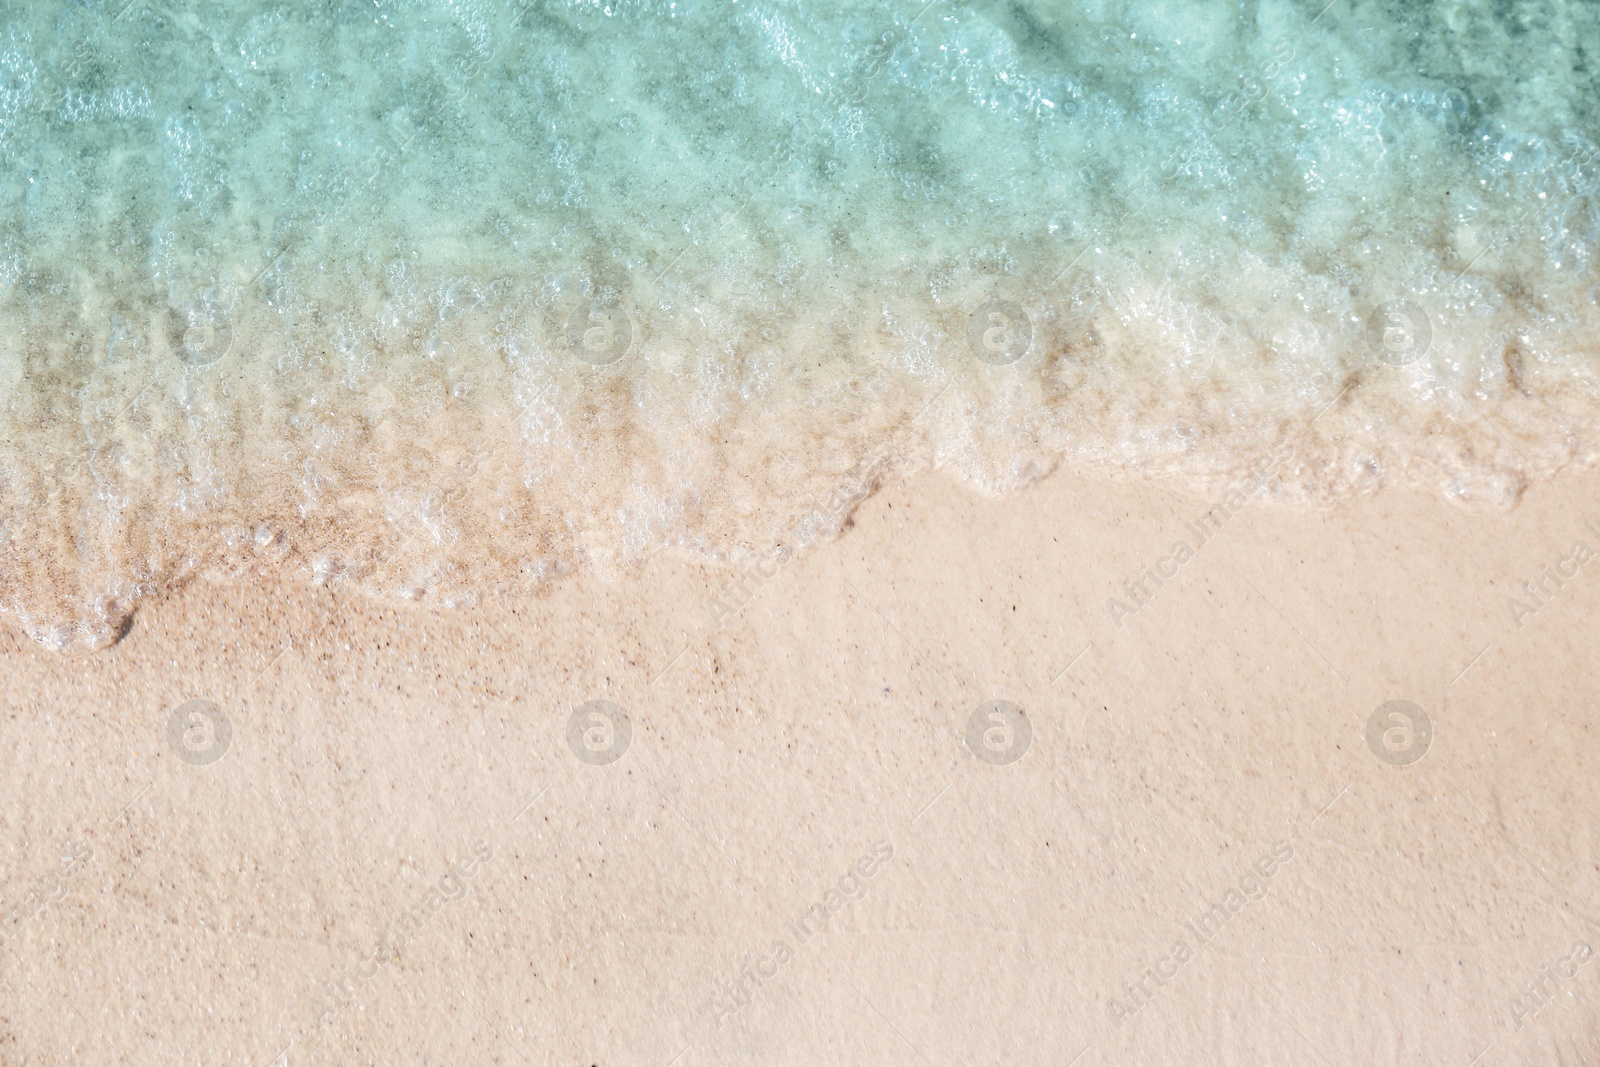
442, 298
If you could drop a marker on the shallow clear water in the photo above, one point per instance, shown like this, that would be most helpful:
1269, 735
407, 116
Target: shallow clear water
445, 299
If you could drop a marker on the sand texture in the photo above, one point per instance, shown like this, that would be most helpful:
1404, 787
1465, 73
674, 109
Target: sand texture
384, 847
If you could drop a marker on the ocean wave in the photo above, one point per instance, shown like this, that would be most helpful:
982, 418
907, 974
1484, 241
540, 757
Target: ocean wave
444, 300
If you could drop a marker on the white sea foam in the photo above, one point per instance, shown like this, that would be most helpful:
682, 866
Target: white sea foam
447, 298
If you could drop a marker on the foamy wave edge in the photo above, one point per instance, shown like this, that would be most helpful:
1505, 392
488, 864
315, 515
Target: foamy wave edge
457, 458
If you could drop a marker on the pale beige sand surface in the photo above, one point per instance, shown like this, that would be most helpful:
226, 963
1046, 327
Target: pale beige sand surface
160, 911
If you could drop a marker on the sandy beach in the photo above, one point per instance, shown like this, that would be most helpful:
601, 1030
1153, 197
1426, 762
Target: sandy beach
922, 794
687, 533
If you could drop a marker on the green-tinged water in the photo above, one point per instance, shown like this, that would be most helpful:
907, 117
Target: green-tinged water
444, 299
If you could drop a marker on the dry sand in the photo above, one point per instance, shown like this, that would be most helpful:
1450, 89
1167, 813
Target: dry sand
294, 901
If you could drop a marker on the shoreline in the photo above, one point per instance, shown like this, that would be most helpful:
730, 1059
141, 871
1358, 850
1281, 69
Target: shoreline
468, 532
682, 534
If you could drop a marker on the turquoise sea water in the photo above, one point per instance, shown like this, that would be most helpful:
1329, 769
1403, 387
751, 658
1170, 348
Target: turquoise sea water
444, 299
